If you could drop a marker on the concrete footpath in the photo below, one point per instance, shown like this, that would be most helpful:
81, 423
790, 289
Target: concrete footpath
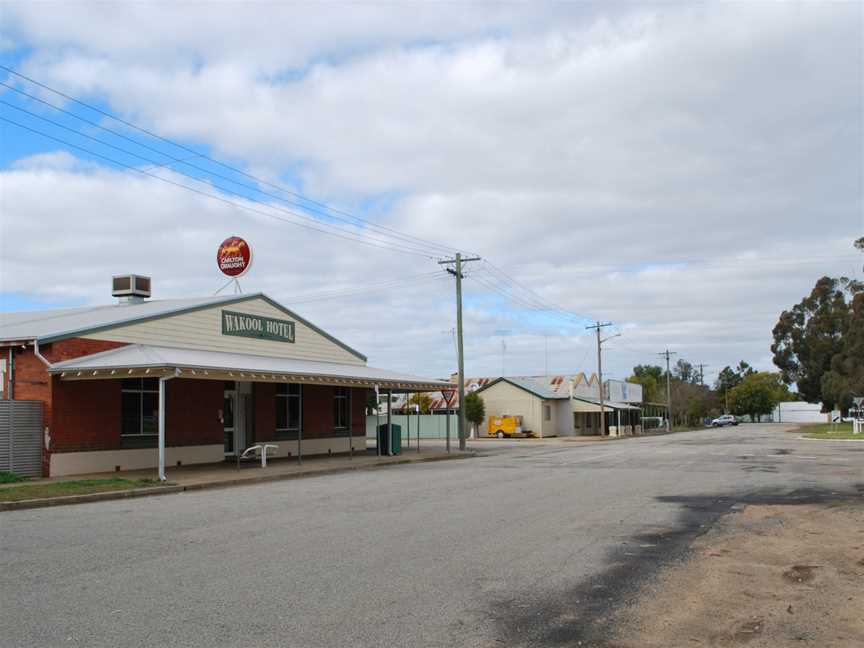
223, 475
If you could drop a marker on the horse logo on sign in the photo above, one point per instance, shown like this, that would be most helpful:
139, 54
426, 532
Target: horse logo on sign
234, 256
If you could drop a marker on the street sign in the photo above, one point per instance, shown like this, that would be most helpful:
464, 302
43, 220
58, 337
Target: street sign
448, 395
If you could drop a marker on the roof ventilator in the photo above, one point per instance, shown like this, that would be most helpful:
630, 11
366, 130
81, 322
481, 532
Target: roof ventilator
130, 289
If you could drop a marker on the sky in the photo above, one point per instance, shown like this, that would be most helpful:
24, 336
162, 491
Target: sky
684, 171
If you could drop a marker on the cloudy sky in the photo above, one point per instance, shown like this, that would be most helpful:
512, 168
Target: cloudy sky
683, 170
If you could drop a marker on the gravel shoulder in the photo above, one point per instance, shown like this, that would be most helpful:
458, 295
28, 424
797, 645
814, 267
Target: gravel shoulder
768, 576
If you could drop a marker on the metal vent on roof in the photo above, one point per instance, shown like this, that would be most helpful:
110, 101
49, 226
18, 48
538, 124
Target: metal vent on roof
130, 287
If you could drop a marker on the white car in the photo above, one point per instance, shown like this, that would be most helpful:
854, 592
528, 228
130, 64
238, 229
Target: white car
726, 419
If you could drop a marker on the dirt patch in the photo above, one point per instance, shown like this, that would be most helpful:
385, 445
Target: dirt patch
800, 573
770, 576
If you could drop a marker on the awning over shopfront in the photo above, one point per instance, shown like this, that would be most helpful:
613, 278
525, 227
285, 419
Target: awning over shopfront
581, 404
139, 360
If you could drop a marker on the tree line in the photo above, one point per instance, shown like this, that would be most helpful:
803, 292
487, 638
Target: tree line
818, 348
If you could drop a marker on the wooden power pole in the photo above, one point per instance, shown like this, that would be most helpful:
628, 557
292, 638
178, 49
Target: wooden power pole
668, 353
597, 326
460, 350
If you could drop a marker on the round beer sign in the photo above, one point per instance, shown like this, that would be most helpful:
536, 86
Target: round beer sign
234, 256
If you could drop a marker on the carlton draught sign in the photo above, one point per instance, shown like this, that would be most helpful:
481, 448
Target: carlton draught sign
234, 256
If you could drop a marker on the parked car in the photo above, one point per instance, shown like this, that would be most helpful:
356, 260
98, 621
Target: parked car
726, 419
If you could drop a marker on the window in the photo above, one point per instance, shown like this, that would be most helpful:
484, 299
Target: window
341, 406
288, 408
547, 412
140, 407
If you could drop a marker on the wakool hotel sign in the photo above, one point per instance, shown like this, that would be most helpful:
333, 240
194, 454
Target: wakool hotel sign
256, 326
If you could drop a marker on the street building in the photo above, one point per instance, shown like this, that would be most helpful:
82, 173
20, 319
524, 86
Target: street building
563, 405
117, 387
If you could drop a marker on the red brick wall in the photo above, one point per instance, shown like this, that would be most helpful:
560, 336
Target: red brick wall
89, 411
31, 381
358, 411
317, 411
192, 412
88, 415
264, 395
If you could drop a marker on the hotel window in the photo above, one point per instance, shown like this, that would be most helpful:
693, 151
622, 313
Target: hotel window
341, 405
288, 407
140, 406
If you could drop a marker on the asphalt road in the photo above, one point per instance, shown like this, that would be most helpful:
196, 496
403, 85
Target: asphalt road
527, 544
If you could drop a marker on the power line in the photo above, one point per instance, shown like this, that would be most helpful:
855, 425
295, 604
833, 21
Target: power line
222, 199
521, 302
223, 189
332, 212
532, 294
328, 295
354, 220
505, 288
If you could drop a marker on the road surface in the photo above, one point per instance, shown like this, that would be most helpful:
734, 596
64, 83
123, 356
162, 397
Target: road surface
528, 544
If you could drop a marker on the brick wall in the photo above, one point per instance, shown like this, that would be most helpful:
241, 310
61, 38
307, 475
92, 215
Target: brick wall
32, 382
358, 411
89, 411
88, 415
264, 395
192, 412
317, 412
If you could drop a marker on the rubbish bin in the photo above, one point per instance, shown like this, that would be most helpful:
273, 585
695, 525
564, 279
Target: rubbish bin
393, 445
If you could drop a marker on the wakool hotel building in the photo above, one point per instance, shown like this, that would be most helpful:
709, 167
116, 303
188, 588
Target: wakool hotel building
190, 380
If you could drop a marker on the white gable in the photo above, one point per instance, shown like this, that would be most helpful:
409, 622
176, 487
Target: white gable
203, 329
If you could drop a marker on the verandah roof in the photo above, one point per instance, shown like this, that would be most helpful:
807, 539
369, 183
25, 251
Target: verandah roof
140, 359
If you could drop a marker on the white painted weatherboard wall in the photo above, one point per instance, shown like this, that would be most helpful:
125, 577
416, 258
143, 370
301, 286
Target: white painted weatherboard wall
504, 399
202, 329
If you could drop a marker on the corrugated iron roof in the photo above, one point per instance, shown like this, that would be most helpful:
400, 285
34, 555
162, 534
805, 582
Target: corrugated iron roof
52, 325
30, 325
142, 357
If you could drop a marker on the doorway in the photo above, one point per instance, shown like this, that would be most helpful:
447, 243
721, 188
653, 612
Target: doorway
237, 412
229, 419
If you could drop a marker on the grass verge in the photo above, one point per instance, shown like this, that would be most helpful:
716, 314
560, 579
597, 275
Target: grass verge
824, 431
71, 487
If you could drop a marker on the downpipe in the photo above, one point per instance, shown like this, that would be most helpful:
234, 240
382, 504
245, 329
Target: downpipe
162, 390
39, 355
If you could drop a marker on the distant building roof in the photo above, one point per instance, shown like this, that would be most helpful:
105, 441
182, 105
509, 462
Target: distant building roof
539, 388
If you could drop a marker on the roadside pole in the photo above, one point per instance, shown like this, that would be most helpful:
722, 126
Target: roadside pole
668, 353
390, 422
597, 326
458, 261
447, 394
377, 421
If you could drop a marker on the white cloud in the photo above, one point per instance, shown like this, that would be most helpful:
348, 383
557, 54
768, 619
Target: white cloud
684, 171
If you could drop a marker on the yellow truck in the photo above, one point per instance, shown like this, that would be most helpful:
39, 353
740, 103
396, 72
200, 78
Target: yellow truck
507, 426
